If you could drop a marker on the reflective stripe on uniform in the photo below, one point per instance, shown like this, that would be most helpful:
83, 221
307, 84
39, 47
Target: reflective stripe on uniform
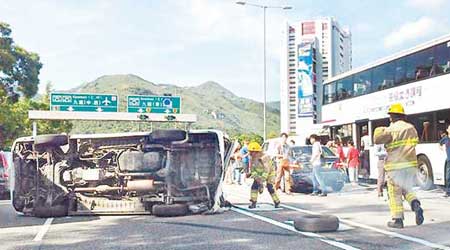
401, 143
399, 165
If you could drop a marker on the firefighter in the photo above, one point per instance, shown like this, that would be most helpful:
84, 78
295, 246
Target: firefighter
400, 140
261, 170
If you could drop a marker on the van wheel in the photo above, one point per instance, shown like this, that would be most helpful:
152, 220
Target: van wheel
169, 135
43, 142
163, 210
424, 173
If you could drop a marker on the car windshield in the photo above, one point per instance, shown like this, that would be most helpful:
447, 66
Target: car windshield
307, 150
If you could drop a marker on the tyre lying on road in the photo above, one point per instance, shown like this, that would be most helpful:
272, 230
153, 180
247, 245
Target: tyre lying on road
316, 223
165, 173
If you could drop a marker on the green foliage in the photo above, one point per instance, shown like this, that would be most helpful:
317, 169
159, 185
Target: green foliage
15, 122
251, 137
272, 135
19, 68
19, 76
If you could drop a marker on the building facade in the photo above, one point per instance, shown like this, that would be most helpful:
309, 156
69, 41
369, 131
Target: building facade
312, 51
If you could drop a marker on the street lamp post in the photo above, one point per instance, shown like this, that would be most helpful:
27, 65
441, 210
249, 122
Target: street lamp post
264, 7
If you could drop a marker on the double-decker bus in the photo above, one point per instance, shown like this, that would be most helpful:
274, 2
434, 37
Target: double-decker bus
356, 102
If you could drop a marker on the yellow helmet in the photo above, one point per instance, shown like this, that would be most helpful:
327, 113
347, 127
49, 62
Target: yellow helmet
254, 146
396, 108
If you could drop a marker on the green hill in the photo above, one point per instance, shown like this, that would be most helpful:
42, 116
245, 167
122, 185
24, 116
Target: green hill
215, 106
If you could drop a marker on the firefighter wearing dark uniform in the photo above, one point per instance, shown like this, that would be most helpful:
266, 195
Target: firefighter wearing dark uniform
261, 170
400, 140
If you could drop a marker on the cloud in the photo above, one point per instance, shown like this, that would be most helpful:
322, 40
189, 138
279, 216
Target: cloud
422, 28
426, 4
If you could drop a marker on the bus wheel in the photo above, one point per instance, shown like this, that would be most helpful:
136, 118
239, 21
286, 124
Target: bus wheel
424, 173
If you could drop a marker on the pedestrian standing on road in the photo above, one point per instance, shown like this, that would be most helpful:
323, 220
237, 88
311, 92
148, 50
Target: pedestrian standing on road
365, 145
237, 166
445, 145
353, 163
245, 157
316, 162
400, 140
340, 152
262, 170
284, 156
380, 152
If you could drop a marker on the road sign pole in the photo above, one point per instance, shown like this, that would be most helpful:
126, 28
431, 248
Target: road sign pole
34, 129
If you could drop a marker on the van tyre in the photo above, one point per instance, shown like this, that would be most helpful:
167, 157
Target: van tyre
42, 142
45, 211
168, 135
316, 223
425, 173
164, 210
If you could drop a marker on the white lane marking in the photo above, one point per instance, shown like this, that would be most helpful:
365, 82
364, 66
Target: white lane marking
393, 234
43, 230
292, 229
5, 202
262, 207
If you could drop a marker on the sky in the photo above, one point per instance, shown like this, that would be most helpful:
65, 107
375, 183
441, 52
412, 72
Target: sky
189, 42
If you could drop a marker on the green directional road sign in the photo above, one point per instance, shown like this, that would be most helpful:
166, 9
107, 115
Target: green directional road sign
83, 102
154, 104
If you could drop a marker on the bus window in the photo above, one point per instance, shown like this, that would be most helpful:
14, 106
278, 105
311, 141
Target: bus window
441, 62
362, 82
418, 65
443, 120
329, 93
344, 88
424, 126
400, 71
383, 76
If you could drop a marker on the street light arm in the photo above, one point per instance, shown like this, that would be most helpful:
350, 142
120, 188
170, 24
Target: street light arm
264, 6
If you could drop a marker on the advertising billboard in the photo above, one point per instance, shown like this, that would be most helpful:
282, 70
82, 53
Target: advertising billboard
305, 80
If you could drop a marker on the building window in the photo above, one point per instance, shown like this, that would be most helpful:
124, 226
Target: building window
308, 28
291, 65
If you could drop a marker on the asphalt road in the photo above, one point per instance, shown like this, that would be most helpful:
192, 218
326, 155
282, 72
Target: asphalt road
363, 218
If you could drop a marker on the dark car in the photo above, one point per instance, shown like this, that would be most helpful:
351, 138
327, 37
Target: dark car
334, 177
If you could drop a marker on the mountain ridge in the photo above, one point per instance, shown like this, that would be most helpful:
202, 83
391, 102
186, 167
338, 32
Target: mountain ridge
215, 105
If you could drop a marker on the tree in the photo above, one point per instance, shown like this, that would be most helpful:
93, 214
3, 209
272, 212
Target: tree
19, 68
19, 80
252, 137
272, 135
